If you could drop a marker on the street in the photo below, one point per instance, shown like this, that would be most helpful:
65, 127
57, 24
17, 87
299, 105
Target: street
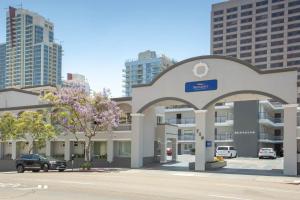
131, 184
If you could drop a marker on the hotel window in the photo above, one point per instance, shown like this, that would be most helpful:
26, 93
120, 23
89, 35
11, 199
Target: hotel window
276, 43
278, 14
294, 3
263, 59
243, 55
261, 10
218, 45
246, 13
277, 21
262, 38
261, 17
274, 65
279, 57
245, 34
247, 6
218, 32
276, 1
294, 62
296, 10
246, 20
262, 3
279, 6
261, 24
278, 50
293, 48
275, 36
229, 10
293, 55
233, 16
217, 19
243, 48
294, 18
262, 45
263, 52
230, 30
218, 25
297, 25
294, 33
218, 52
245, 27
261, 31
231, 23
228, 37
218, 12
231, 43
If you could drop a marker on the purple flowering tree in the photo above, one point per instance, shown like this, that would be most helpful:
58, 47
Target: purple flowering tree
77, 112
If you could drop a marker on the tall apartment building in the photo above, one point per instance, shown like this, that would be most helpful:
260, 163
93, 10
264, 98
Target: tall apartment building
144, 69
2, 65
77, 80
32, 56
265, 33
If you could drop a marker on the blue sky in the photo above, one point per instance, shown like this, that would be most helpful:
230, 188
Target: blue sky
99, 36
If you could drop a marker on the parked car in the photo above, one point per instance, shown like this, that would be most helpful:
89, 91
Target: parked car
226, 151
267, 153
169, 151
36, 162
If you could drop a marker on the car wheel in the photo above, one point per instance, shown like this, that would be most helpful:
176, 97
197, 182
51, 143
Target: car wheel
20, 169
45, 168
61, 170
259, 157
231, 155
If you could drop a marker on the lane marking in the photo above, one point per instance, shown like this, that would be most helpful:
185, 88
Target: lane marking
227, 197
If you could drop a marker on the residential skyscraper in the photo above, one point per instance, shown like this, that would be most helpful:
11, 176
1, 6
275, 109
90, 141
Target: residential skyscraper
265, 33
32, 56
144, 69
2, 65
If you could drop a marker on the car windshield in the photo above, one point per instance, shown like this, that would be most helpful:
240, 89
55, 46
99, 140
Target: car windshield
222, 148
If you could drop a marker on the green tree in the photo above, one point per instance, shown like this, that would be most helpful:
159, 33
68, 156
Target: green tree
33, 125
8, 126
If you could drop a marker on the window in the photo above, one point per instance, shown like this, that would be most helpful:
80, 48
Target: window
278, 57
243, 55
28, 20
229, 10
231, 50
277, 21
262, 38
261, 24
278, 14
261, 17
246, 20
218, 51
294, 18
246, 27
290, 26
261, 10
218, 39
294, 3
230, 30
243, 48
278, 28
217, 19
245, 34
218, 25
262, 31
262, 3
122, 148
233, 16
231, 43
276, 1
218, 32
246, 13
231, 23
278, 6
276, 43
228, 37
263, 59
262, 45
278, 50
293, 55
296, 10
258, 53
293, 48
218, 45
275, 36
273, 65
294, 33
219, 12
261, 66
246, 6
245, 41
294, 62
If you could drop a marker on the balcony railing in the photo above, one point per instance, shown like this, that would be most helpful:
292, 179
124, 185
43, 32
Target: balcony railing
264, 115
186, 137
224, 136
123, 127
269, 136
222, 119
181, 121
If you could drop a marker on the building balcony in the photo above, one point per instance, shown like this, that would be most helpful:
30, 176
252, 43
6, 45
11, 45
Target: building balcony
224, 120
123, 127
270, 138
224, 137
186, 138
266, 119
181, 121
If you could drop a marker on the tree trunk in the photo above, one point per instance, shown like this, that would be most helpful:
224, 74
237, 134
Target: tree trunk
87, 153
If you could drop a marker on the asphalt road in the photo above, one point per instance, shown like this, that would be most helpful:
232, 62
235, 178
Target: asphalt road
145, 184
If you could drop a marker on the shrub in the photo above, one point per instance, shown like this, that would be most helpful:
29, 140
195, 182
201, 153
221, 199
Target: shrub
86, 165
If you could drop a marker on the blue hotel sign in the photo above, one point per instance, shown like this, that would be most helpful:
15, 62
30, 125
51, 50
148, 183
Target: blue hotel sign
198, 86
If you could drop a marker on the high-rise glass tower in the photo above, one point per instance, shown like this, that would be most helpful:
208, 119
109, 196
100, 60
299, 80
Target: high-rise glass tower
2, 65
32, 56
144, 69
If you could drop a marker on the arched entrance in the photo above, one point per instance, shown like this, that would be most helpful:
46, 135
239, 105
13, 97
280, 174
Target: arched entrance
217, 78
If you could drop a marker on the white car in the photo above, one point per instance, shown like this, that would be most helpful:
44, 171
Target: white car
226, 151
266, 153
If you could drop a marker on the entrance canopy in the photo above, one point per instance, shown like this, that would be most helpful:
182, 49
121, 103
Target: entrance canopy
204, 80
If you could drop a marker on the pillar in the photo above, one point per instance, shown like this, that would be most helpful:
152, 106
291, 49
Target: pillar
67, 150
210, 134
48, 148
137, 140
163, 151
201, 129
110, 149
174, 149
290, 140
14, 150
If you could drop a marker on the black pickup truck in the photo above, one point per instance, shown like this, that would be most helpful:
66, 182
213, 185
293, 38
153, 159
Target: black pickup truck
36, 162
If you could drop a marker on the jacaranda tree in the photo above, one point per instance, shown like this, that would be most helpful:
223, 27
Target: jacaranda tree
77, 112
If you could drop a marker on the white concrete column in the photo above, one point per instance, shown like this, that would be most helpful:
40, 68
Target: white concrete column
67, 150
14, 150
174, 149
137, 140
48, 148
290, 139
163, 152
201, 129
210, 133
110, 149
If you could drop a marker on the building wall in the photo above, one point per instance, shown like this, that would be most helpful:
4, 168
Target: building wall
2, 65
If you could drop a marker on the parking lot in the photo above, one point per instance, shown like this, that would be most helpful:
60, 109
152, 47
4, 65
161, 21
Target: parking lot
239, 165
